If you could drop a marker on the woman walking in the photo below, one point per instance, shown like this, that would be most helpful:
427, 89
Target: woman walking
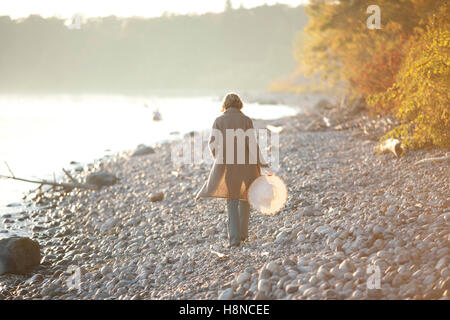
231, 174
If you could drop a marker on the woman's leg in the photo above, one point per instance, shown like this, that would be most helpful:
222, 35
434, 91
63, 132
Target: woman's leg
244, 216
233, 222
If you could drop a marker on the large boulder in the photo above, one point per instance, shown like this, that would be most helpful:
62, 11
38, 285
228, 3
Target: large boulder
142, 151
19, 255
101, 178
323, 104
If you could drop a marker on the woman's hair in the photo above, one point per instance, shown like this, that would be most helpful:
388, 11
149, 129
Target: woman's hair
231, 100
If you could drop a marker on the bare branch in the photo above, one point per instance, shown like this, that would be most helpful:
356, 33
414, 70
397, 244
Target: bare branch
9, 169
54, 184
70, 176
437, 159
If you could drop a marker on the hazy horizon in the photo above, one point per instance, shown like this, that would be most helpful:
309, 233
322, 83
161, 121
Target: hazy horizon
133, 8
236, 50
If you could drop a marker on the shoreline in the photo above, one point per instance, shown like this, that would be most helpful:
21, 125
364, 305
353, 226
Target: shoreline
348, 208
42, 167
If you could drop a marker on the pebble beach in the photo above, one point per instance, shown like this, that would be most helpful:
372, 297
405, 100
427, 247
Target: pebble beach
357, 225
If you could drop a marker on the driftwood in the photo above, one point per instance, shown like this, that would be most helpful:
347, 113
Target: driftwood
37, 191
319, 123
73, 185
390, 145
9, 169
220, 256
311, 124
436, 159
70, 176
54, 184
275, 129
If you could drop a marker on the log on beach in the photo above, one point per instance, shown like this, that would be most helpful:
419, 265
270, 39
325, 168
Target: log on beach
94, 181
434, 159
390, 145
52, 183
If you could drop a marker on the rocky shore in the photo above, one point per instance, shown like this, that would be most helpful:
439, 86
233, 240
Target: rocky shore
356, 226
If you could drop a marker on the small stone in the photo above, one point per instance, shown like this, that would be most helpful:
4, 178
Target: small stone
447, 217
398, 280
158, 196
243, 277
331, 294
402, 258
279, 294
264, 274
13, 204
374, 294
323, 273
346, 266
291, 288
309, 211
379, 243
310, 291
377, 229
391, 210
210, 231
357, 294
324, 230
282, 237
249, 270
441, 263
445, 272
36, 278
273, 267
445, 285
289, 262
264, 285
429, 280
109, 224
106, 270
227, 294
261, 296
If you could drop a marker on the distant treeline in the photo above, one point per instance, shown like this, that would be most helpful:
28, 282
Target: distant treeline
236, 49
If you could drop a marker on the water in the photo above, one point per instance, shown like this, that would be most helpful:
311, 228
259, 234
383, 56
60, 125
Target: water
40, 135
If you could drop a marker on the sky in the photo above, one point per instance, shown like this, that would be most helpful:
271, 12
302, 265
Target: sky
124, 8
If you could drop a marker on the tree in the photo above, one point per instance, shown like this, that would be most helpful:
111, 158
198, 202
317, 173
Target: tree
343, 49
402, 68
228, 5
420, 95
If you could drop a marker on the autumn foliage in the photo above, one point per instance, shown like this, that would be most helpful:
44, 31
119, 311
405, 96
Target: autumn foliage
420, 95
401, 68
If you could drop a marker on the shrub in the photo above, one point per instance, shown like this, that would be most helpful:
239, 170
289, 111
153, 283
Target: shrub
420, 95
